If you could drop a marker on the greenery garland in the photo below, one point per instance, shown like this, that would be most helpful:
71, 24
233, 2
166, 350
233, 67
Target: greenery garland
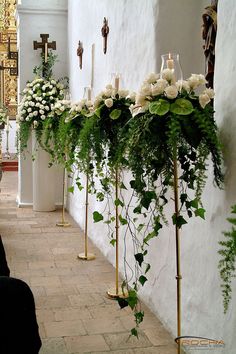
228, 258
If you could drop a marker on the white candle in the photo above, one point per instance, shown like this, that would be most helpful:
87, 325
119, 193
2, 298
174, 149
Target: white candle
89, 94
170, 62
46, 52
8, 125
117, 83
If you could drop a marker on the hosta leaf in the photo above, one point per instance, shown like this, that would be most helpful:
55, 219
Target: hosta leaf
160, 107
181, 106
115, 114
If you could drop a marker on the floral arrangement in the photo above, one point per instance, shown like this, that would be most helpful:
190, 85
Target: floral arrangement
171, 124
3, 115
38, 98
63, 128
102, 131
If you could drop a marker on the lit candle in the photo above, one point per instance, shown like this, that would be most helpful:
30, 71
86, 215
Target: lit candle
46, 52
117, 83
89, 94
170, 62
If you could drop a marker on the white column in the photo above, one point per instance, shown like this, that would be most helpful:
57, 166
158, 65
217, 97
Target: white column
43, 179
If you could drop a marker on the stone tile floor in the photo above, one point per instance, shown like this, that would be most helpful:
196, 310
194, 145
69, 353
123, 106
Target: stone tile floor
73, 312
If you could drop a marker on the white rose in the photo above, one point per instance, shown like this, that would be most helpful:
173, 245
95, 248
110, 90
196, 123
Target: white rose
183, 84
29, 110
196, 80
210, 92
78, 108
37, 104
171, 92
31, 92
35, 113
47, 108
41, 111
31, 115
26, 104
152, 78
109, 102
32, 104
40, 98
132, 96
140, 100
204, 99
25, 90
61, 92
43, 94
62, 108
146, 90
23, 111
21, 119
108, 93
51, 98
44, 88
97, 101
167, 74
89, 103
27, 119
50, 86
43, 102
159, 87
123, 93
43, 117
53, 82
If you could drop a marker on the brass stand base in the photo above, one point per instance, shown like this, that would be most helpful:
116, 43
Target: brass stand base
63, 224
122, 293
89, 257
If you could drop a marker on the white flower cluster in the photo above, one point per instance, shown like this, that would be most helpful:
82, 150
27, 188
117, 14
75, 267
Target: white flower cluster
77, 107
39, 97
110, 94
167, 86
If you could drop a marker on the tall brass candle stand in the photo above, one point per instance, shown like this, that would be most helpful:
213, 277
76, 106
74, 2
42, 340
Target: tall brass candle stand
63, 223
178, 268
86, 256
116, 292
7, 155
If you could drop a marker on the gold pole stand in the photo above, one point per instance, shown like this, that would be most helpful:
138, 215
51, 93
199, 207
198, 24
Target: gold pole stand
178, 269
116, 292
63, 223
86, 256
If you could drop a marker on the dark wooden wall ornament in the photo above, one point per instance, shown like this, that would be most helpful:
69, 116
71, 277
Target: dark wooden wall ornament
209, 35
44, 45
80, 51
105, 30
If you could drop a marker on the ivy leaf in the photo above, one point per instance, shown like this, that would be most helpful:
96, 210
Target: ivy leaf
122, 186
183, 197
160, 107
134, 332
149, 237
178, 220
200, 212
139, 258
98, 111
122, 302
139, 317
138, 209
115, 114
194, 203
182, 107
147, 268
118, 202
140, 227
132, 299
97, 216
113, 242
147, 199
122, 220
142, 279
71, 189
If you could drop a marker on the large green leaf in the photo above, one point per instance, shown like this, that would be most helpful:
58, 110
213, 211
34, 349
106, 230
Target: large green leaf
115, 114
160, 107
182, 107
97, 216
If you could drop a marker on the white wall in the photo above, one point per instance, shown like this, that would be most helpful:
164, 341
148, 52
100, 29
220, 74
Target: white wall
37, 17
140, 31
